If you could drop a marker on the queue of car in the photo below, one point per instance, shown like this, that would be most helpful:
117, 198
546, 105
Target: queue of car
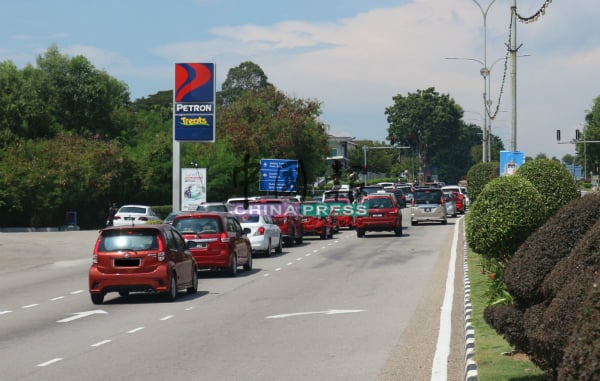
136, 256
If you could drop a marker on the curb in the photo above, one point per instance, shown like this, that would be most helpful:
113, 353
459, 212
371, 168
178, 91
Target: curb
470, 364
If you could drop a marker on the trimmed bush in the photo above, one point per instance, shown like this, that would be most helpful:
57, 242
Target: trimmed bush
506, 212
582, 355
542, 250
553, 278
479, 175
552, 180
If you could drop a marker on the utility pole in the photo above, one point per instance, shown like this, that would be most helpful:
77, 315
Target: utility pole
513, 74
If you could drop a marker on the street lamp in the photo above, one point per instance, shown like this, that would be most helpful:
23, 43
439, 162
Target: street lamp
484, 70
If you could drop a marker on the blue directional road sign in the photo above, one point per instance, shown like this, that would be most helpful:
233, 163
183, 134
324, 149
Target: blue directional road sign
278, 175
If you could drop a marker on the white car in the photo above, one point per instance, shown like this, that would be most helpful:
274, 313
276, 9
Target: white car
134, 215
264, 236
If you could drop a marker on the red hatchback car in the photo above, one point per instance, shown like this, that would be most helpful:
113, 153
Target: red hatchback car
216, 240
285, 214
384, 215
141, 258
322, 226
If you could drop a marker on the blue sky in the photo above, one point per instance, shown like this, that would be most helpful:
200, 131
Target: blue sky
351, 55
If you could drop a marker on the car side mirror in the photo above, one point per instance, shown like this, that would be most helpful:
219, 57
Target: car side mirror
247, 231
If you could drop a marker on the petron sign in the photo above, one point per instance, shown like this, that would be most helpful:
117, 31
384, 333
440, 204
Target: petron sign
194, 102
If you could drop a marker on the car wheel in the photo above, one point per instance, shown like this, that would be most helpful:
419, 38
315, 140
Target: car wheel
279, 248
299, 239
171, 294
268, 252
97, 298
290, 239
331, 233
324, 235
360, 233
248, 265
414, 223
194, 287
123, 293
398, 231
444, 222
234, 266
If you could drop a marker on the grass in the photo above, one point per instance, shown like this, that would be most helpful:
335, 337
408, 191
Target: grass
492, 352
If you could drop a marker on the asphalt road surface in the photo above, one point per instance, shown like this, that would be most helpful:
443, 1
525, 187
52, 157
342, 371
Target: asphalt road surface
337, 309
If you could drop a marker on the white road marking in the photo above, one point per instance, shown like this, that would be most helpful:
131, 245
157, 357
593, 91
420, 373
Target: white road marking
99, 343
167, 317
79, 315
50, 362
299, 259
442, 351
289, 264
136, 330
278, 269
76, 292
57, 298
5, 312
328, 312
307, 254
189, 308
30, 305
266, 275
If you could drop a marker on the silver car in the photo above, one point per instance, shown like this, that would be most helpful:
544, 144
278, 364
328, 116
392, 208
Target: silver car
428, 206
264, 236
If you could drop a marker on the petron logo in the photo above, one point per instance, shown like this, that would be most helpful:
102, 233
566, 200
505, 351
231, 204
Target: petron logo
194, 82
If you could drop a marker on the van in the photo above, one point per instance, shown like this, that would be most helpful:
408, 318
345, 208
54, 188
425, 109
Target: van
428, 205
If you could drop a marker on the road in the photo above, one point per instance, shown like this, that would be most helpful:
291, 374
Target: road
338, 309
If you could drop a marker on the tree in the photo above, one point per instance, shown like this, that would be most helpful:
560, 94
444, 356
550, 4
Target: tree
245, 77
591, 132
431, 124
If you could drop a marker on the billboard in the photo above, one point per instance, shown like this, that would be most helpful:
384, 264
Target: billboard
194, 102
193, 187
510, 161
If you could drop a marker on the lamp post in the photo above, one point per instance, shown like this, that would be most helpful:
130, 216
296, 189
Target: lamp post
485, 71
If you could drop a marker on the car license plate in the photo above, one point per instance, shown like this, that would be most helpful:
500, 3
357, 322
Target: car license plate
202, 245
427, 210
378, 215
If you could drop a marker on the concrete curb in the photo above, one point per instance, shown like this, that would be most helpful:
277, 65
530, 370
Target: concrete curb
471, 373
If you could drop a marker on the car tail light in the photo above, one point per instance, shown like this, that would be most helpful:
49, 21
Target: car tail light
224, 237
161, 255
95, 254
116, 218
260, 231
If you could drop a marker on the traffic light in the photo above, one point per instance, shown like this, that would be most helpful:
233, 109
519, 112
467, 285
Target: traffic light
558, 135
577, 134
392, 140
336, 166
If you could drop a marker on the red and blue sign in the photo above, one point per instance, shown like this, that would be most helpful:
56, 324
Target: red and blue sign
194, 103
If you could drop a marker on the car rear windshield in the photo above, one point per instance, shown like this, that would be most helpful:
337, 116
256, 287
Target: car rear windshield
249, 218
212, 208
203, 225
115, 240
132, 209
428, 196
379, 203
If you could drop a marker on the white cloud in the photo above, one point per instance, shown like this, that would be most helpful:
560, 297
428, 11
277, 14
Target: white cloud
356, 65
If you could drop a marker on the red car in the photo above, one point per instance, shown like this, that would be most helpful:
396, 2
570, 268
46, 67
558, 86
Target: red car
459, 201
342, 221
141, 258
384, 215
322, 226
217, 240
284, 213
